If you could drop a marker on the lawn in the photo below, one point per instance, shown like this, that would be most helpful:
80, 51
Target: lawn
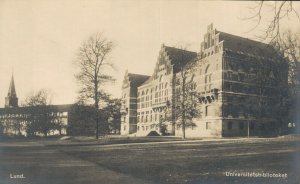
197, 162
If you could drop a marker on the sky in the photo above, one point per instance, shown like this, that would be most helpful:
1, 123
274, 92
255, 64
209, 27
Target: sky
39, 39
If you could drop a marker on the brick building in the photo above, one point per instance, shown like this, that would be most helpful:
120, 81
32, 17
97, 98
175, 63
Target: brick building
241, 86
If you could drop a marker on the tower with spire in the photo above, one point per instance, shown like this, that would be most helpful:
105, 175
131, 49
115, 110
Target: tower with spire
11, 100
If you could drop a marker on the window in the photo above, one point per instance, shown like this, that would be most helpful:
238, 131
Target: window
209, 110
241, 77
229, 125
241, 125
229, 75
251, 125
208, 78
208, 125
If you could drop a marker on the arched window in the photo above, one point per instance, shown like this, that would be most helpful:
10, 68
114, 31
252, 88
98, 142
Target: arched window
192, 78
206, 70
160, 78
208, 78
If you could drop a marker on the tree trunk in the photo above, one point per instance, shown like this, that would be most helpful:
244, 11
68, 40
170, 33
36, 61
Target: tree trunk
96, 108
183, 108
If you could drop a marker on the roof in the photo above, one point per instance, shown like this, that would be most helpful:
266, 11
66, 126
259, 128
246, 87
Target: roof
137, 79
179, 57
54, 108
148, 80
247, 46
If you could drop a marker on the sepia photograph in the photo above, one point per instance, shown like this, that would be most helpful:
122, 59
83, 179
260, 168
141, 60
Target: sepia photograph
149, 92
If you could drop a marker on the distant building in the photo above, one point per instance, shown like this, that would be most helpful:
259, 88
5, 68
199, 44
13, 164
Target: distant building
241, 83
13, 118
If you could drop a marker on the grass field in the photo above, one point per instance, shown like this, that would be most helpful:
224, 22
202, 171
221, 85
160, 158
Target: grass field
198, 161
150, 161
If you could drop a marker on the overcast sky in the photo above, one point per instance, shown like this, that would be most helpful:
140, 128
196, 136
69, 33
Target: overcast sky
39, 39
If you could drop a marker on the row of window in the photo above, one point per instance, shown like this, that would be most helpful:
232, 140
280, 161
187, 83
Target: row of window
148, 118
160, 97
56, 114
250, 89
145, 128
242, 77
241, 125
157, 87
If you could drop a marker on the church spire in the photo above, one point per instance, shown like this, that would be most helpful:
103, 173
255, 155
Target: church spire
11, 100
12, 88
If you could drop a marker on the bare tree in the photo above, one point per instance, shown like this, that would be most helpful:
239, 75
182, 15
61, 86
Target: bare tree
41, 97
290, 46
185, 99
285, 42
39, 116
186, 103
93, 62
280, 10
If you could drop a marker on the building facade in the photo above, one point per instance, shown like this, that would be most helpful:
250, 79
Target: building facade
240, 84
14, 119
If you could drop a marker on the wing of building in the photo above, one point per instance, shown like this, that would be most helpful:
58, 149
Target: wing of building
240, 84
39, 120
